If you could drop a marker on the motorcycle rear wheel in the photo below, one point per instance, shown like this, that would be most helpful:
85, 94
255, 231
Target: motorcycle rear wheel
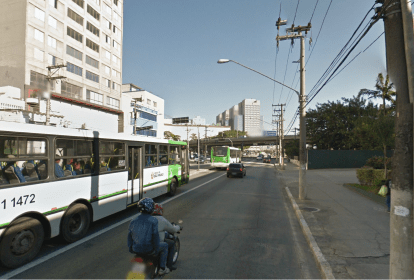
177, 250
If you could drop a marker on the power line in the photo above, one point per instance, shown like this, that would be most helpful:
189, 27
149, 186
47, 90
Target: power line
296, 12
284, 77
314, 10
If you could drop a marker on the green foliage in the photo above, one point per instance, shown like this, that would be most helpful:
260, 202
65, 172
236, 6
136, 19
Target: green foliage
370, 176
171, 136
231, 134
193, 136
292, 148
377, 162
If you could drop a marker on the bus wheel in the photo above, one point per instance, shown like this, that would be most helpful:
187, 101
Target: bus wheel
21, 242
75, 223
173, 187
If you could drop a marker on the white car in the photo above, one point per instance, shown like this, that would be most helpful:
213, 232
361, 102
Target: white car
260, 157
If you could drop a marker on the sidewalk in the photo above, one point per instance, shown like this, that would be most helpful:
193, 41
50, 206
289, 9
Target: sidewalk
351, 230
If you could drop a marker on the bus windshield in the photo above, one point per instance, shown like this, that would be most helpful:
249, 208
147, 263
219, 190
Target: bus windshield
220, 151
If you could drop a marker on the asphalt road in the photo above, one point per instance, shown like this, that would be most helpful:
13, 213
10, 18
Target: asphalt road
233, 228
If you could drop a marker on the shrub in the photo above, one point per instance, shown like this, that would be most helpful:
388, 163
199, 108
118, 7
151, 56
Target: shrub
377, 162
371, 177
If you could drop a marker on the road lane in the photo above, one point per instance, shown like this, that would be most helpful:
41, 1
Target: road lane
233, 228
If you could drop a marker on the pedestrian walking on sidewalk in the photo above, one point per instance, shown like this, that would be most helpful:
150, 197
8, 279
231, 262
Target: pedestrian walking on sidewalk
388, 196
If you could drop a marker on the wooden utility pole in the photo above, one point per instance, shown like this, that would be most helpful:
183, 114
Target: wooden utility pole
401, 217
293, 33
278, 112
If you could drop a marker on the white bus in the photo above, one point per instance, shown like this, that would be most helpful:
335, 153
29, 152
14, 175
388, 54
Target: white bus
222, 156
58, 180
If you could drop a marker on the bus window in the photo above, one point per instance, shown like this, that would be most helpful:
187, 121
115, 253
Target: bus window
174, 155
151, 155
163, 155
220, 151
73, 157
22, 160
112, 156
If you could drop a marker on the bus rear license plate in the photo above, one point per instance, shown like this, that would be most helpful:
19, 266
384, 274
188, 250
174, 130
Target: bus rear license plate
234, 173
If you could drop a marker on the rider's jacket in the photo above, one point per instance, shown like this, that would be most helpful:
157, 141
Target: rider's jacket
164, 225
143, 234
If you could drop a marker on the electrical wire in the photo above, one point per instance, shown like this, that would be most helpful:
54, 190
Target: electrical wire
296, 12
314, 10
284, 77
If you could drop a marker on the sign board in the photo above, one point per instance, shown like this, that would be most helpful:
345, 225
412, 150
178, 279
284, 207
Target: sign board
180, 120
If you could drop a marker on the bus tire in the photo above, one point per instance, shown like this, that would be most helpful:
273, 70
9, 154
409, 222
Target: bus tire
21, 242
173, 187
75, 223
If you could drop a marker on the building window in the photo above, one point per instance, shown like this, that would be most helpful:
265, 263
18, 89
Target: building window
39, 35
93, 13
51, 42
115, 29
53, 3
73, 52
107, 55
115, 86
116, 2
149, 101
92, 76
92, 62
152, 133
108, 24
115, 59
94, 97
107, 39
92, 45
96, 1
116, 45
116, 17
52, 22
75, 35
155, 104
38, 80
92, 28
39, 14
108, 71
74, 69
107, 83
115, 73
112, 102
147, 116
107, 9
38, 54
71, 90
80, 3
75, 16
52, 60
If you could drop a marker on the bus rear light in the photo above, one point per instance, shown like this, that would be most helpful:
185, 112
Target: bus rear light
241, 169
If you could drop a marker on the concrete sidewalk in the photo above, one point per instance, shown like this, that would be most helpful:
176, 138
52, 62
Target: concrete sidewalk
351, 230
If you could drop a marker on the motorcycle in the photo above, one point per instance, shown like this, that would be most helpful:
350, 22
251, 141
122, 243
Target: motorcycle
148, 266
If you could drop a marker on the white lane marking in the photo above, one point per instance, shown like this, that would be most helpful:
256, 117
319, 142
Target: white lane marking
83, 240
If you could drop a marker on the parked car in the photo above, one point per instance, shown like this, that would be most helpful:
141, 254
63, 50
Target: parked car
236, 169
208, 158
196, 159
267, 159
260, 157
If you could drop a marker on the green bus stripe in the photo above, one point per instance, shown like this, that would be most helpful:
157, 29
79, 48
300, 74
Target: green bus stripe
156, 183
65, 207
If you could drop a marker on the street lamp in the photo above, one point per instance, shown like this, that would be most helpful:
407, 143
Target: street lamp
302, 106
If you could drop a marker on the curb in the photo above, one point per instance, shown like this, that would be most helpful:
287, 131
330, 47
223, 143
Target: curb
371, 196
322, 263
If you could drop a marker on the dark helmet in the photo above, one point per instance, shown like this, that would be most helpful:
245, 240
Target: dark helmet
146, 205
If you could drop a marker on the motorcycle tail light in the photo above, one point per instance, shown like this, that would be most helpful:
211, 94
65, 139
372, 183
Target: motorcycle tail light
140, 260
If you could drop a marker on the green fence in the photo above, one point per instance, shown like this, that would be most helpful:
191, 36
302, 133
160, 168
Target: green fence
321, 159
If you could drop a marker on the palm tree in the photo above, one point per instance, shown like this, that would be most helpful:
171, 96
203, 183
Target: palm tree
384, 90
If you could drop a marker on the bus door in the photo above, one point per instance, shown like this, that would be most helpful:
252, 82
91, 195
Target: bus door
134, 174
184, 161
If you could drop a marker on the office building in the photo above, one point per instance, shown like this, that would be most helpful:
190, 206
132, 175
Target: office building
83, 35
244, 116
148, 115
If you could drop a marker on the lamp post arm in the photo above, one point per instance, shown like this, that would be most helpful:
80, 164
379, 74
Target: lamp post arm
297, 92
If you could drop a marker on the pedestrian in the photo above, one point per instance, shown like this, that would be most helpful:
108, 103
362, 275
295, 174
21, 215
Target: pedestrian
388, 196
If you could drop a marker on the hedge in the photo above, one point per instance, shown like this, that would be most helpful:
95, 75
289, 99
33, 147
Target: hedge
371, 176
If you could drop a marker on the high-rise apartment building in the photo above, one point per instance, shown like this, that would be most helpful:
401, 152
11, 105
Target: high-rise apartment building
85, 35
244, 116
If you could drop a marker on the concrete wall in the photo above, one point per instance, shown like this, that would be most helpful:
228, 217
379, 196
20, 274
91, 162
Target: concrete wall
12, 43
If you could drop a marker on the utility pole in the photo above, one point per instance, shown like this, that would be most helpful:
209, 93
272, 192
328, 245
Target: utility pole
401, 217
50, 79
198, 142
278, 112
293, 33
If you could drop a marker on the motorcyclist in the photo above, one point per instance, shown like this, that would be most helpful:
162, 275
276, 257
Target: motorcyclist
143, 237
163, 226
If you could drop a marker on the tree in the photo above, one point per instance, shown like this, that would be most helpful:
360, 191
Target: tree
231, 134
193, 136
384, 91
292, 148
171, 136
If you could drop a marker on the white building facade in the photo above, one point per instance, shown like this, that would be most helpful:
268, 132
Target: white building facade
148, 115
244, 116
83, 35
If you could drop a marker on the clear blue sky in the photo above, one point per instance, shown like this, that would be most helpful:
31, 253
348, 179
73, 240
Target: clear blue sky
171, 48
